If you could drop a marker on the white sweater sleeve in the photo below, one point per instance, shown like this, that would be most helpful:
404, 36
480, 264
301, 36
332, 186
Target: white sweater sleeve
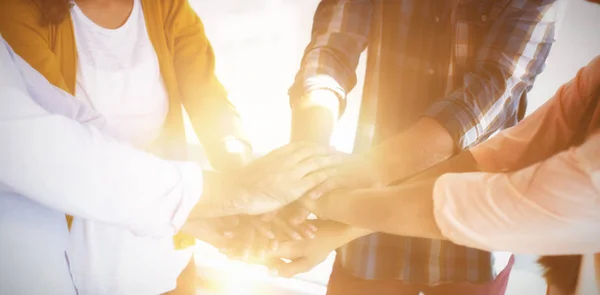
76, 169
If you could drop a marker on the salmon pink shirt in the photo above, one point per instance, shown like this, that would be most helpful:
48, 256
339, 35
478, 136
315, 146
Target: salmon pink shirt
539, 191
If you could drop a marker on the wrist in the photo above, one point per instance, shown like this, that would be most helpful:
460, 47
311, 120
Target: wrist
335, 206
322, 97
201, 229
222, 196
350, 233
314, 117
230, 154
425, 144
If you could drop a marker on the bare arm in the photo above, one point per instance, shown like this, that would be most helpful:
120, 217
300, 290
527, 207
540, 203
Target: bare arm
339, 35
213, 117
405, 210
487, 98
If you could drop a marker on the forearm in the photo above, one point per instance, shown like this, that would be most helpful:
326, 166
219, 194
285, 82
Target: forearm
75, 169
485, 101
214, 118
405, 210
533, 210
230, 155
422, 146
314, 117
463, 162
222, 196
328, 70
351, 233
221, 133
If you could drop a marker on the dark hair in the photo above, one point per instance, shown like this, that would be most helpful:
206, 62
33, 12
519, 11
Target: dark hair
53, 11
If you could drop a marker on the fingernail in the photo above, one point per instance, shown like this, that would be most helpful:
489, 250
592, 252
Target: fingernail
310, 234
275, 246
296, 236
313, 227
228, 234
273, 272
270, 235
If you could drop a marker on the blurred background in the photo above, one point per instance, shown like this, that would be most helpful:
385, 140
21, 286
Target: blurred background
259, 44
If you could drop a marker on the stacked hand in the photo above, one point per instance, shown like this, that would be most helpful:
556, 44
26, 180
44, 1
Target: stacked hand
259, 214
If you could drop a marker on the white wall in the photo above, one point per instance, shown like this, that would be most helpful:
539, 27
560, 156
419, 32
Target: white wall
578, 42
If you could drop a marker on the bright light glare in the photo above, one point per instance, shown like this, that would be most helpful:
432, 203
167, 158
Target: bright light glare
258, 49
228, 277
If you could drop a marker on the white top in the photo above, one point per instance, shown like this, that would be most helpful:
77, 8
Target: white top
118, 75
538, 194
51, 164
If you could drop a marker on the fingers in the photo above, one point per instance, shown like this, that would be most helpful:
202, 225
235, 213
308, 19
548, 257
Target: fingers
314, 179
294, 232
242, 247
325, 187
288, 149
232, 205
298, 215
313, 164
294, 213
260, 248
305, 153
263, 228
268, 216
228, 225
288, 270
273, 265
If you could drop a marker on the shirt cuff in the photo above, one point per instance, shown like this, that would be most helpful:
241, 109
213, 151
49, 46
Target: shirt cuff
168, 215
319, 82
457, 121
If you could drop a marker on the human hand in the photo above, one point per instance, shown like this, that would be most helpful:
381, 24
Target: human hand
357, 172
307, 254
268, 183
211, 230
254, 236
291, 221
240, 237
283, 176
248, 242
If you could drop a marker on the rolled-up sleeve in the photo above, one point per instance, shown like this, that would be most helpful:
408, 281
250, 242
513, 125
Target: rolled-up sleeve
550, 129
549, 208
512, 55
339, 35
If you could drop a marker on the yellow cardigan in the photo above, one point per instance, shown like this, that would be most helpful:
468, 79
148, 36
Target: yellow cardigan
185, 57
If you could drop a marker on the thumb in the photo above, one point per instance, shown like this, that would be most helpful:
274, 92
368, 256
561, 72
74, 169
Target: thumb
288, 270
289, 250
325, 187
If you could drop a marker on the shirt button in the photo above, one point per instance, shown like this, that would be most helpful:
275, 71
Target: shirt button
484, 18
430, 71
437, 19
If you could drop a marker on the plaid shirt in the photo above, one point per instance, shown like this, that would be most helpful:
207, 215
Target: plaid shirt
466, 63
